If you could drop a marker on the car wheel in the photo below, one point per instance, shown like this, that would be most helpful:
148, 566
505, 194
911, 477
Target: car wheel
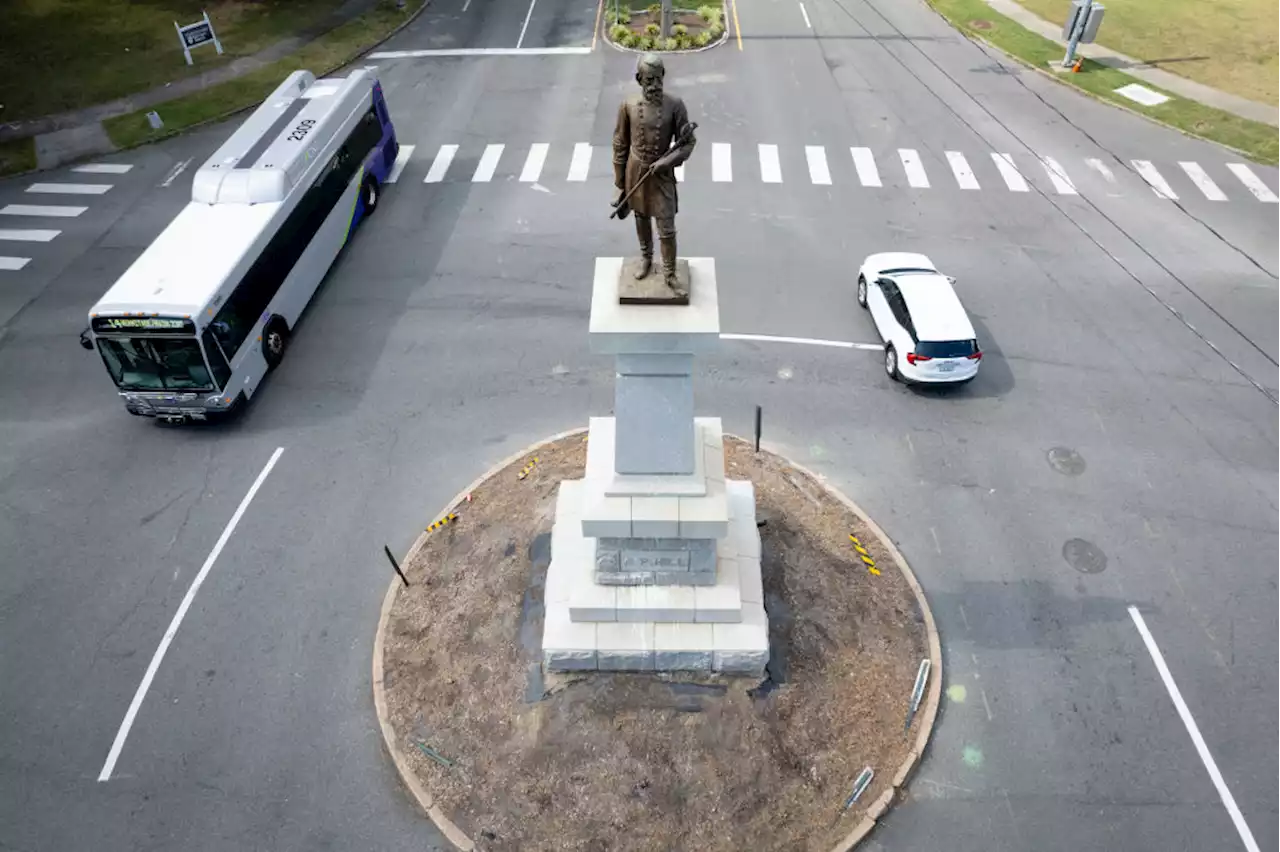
862, 291
274, 342
370, 195
891, 363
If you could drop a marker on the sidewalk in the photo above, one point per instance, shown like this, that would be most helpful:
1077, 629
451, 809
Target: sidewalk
67, 136
1189, 89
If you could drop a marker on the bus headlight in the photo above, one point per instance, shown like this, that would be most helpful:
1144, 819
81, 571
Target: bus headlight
215, 401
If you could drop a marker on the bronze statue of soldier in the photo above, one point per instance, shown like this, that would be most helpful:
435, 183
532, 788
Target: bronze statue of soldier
652, 137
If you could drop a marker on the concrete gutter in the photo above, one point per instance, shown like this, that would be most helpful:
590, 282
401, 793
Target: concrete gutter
925, 718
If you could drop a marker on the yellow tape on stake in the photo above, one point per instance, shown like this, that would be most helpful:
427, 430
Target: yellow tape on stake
864, 555
447, 519
527, 469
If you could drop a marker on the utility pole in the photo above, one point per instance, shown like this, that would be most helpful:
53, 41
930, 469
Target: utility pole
666, 18
1077, 32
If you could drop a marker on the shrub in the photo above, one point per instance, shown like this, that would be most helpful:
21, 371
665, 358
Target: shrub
652, 30
655, 10
670, 44
628, 40
702, 39
683, 42
619, 32
679, 30
711, 14
644, 43
716, 31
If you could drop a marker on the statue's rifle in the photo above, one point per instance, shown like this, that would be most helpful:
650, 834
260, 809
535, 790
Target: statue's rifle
686, 134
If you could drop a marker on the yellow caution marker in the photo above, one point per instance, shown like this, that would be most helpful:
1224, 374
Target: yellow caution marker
864, 555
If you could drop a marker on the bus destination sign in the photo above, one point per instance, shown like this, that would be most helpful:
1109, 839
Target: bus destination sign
144, 324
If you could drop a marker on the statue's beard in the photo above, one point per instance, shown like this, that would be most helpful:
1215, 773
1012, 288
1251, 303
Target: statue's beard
653, 95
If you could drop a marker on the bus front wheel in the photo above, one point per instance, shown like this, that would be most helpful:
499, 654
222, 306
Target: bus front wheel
274, 342
370, 195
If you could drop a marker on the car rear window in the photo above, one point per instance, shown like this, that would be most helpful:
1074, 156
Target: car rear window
947, 348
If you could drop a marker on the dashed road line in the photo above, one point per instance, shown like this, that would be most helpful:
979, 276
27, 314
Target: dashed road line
70, 188
1147, 170
721, 162
103, 168
57, 211
402, 160
580, 165
534, 162
1009, 172
440, 165
1253, 183
13, 264
27, 235
1203, 182
770, 167
960, 168
865, 164
488, 164
819, 172
911, 164
1058, 176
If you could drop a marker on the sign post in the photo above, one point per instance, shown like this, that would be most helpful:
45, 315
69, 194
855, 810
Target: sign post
1081, 27
194, 35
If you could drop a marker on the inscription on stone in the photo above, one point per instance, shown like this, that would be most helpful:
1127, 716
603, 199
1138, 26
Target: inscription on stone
649, 560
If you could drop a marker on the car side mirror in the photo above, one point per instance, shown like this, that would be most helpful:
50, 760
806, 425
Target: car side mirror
951, 280
85, 341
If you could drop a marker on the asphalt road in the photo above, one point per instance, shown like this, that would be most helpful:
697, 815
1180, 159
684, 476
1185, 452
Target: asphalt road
452, 332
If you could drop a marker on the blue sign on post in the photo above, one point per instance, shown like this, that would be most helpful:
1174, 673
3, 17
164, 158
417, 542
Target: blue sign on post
194, 35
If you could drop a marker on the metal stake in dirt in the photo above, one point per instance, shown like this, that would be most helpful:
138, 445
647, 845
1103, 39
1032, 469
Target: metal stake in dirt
395, 565
759, 418
859, 786
917, 692
1081, 12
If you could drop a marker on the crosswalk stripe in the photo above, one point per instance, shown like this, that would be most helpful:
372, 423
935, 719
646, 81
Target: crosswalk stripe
1012, 177
865, 162
1253, 183
1154, 179
960, 167
70, 188
1101, 168
488, 163
103, 168
580, 165
534, 162
1058, 176
402, 159
914, 168
440, 165
1203, 182
819, 172
13, 264
721, 162
680, 174
770, 168
57, 211
27, 235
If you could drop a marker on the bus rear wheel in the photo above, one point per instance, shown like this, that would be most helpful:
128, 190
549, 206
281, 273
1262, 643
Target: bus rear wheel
274, 342
370, 194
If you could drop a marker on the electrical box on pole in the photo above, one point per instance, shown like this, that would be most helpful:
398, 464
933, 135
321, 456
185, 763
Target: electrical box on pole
1087, 17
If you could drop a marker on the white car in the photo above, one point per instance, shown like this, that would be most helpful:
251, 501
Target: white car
927, 335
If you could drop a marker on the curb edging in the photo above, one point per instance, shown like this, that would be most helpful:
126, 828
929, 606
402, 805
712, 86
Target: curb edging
878, 808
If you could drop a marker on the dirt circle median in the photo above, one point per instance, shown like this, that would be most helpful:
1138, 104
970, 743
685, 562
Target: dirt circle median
504, 757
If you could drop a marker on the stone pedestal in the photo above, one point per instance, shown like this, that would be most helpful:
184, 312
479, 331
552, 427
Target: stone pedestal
655, 556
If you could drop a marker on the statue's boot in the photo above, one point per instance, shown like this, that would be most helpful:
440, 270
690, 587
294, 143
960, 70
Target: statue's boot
644, 230
669, 267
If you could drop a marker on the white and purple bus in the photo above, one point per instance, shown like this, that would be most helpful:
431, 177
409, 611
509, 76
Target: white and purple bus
190, 329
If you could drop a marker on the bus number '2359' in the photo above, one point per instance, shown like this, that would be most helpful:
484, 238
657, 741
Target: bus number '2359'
299, 132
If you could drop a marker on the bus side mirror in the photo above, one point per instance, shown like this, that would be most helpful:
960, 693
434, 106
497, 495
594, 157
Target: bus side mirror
85, 341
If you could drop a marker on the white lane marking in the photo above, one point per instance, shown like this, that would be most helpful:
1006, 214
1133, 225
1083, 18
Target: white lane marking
123, 734
103, 168
178, 169
59, 211
70, 188
1203, 182
1201, 747
440, 165
819, 172
721, 162
808, 341
1154, 179
770, 168
914, 168
534, 162
482, 51
527, 16
580, 165
680, 173
27, 235
960, 168
466, 5
13, 264
402, 160
806, 16
865, 162
1058, 176
1253, 183
488, 163
1101, 168
1012, 177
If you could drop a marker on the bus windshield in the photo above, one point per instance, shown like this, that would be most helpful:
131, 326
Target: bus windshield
156, 363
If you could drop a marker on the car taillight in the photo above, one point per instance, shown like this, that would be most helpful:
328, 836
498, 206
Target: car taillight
913, 358
977, 356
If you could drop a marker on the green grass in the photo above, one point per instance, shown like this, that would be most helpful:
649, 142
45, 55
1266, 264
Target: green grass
330, 51
1232, 46
1258, 141
65, 54
17, 155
